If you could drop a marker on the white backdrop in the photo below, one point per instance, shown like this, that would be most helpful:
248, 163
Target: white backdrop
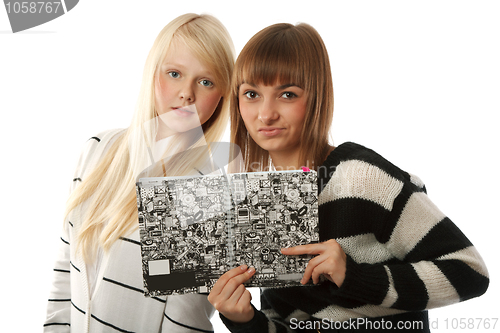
418, 81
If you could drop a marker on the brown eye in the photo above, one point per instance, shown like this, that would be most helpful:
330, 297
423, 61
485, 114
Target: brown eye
250, 94
288, 95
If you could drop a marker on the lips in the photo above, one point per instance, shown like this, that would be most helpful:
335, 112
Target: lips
183, 111
270, 131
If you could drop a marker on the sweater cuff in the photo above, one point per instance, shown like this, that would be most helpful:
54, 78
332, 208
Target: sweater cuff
259, 323
367, 283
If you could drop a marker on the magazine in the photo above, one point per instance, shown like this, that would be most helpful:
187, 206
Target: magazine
194, 229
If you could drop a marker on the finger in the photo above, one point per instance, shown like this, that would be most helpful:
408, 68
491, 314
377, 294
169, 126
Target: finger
311, 265
222, 281
245, 299
239, 310
225, 304
241, 299
237, 294
235, 282
299, 249
323, 268
305, 249
311, 248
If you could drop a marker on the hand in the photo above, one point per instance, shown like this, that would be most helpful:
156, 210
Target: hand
230, 297
330, 262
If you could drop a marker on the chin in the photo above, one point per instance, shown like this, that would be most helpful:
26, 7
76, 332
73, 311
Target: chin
181, 125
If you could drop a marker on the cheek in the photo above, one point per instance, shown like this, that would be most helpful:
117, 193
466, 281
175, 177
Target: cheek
246, 114
299, 115
161, 91
207, 104
213, 100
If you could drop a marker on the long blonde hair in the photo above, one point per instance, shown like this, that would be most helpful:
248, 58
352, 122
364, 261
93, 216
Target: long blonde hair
110, 187
286, 53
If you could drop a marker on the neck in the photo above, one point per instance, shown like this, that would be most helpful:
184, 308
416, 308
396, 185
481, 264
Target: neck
285, 160
290, 161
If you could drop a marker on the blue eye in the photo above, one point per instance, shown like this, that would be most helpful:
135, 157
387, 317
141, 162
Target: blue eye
174, 74
206, 83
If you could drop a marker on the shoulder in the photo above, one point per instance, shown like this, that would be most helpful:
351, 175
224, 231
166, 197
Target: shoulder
352, 170
93, 150
105, 137
353, 154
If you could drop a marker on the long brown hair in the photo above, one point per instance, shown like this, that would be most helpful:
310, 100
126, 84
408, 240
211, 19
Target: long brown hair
286, 53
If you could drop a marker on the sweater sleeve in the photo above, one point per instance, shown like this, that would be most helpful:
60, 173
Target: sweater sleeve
59, 303
269, 322
187, 313
403, 253
433, 263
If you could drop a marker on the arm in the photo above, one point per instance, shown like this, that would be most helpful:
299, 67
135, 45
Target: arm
433, 264
59, 303
402, 253
187, 313
410, 256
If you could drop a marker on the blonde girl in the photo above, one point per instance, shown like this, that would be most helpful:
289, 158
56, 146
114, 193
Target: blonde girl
97, 284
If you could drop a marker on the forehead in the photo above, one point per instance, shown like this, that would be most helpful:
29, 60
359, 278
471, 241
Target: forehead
182, 56
178, 51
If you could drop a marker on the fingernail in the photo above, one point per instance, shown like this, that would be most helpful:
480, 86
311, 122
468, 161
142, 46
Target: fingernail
243, 267
251, 270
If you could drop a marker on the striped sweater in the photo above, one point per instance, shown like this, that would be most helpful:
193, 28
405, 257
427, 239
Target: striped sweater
117, 303
404, 255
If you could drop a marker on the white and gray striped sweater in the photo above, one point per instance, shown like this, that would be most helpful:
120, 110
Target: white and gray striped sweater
404, 255
118, 303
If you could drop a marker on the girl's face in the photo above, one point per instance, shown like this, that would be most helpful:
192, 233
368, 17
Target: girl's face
186, 95
274, 115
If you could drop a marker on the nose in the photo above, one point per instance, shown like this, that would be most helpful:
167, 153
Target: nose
186, 93
268, 112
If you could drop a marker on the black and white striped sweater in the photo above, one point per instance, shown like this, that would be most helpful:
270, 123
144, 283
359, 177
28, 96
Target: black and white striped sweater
403, 255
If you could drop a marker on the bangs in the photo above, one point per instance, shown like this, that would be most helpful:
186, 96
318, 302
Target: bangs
277, 59
213, 52
210, 57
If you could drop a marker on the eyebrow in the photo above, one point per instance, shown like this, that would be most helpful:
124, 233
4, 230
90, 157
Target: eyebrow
183, 67
283, 86
173, 64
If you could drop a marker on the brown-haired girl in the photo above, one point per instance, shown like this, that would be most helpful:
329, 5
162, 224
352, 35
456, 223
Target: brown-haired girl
387, 253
